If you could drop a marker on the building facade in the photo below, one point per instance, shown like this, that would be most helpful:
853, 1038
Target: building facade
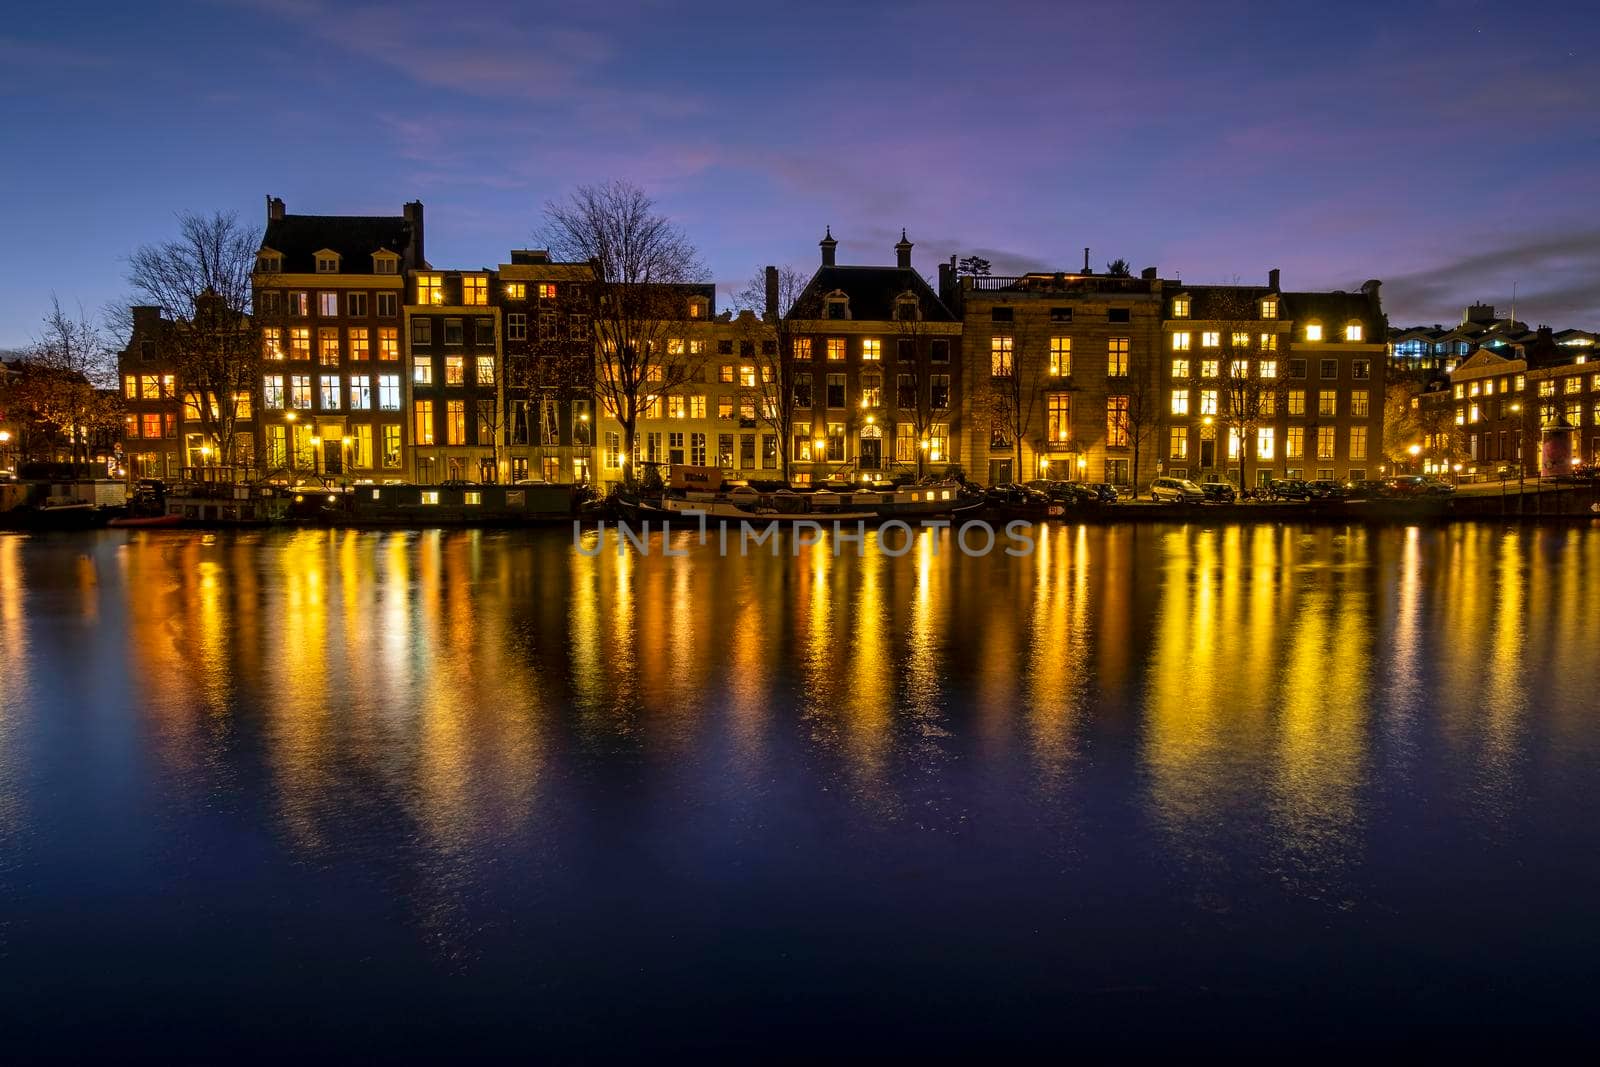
547, 345
878, 379
330, 304
1264, 383
1062, 376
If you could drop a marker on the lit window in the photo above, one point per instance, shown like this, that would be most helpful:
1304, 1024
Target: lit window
474, 290
1060, 357
472, 497
328, 305
836, 348
1000, 352
430, 496
1211, 339
1210, 368
516, 290
1117, 422
1269, 368
1117, 357
272, 343
485, 370
547, 290
1180, 402
422, 370
388, 343
1353, 332
1180, 368
1265, 442
1269, 342
389, 392
1269, 307
1179, 448
328, 346
455, 417
871, 348
1208, 401
1297, 401
1313, 331
455, 372
358, 343
747, 376
423, 423
1180, 341
300, 342
1327, 402
430, 289
1180, 307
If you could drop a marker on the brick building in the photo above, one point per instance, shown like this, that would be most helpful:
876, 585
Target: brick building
329, 294
547, 346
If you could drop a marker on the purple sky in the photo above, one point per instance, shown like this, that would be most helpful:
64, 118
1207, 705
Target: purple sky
1448, 148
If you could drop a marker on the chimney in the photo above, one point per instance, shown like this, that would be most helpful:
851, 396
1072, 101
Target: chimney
772, 293
827, 244
902, 252
1272, 279
947, 281
274, 208
1086, 268
415, 254
1148, 274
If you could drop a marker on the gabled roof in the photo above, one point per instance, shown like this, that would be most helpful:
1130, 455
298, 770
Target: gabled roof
355, 237
872, 292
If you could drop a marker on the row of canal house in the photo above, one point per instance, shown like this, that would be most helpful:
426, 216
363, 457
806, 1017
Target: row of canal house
378, 366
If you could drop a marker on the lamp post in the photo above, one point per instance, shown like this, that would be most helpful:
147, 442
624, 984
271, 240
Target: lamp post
316, 456
1516, 409
1414, 451
205, 458
344, 456
289, 418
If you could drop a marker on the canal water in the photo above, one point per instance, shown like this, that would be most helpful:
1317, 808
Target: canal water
388, 793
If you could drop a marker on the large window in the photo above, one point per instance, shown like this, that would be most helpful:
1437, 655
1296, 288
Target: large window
871, 348
1179, 443
391, 445
1058, 417
1295, 444
389, 392
1358, 442
1060, 357
272, 392
474, 290
1117, 357
485, 370
358, 343
455, 413
328, 388
1265, 443
836, 391
388, 343
1117, 422
300, 342
422, 370
360, 393
1181, 341
300, 391
1325, 442
422, 431
1180, 401
328, 346
836, 348
1000, 353
430, 289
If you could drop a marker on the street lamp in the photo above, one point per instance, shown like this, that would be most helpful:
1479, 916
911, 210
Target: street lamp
316, 456
344, 455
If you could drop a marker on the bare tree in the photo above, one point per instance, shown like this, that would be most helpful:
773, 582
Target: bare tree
1013, 394
769, 295
1145, 414
67, 368
924, 397
202, 283
1247, 376
556, 364
642, 263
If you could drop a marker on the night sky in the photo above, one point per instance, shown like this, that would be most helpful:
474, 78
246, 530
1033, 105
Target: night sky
1449, 149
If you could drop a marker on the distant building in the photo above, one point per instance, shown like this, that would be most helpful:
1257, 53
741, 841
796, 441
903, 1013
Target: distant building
453, 381
1438, 349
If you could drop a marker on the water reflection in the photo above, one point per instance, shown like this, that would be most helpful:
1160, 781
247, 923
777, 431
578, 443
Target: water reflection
436, 700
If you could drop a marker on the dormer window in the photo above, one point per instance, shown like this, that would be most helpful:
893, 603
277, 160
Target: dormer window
269, 263
430, 289
1269, 307
836, 305
698, 307
1313, 331
385, 262
327, 261
907, 308
1180, 307
474, 290
1353, 332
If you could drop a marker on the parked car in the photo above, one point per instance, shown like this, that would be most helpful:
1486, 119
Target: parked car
1219, 492
1411, 485
1062, 492
1287, 489
1325, 489
1176, 491
1105, 492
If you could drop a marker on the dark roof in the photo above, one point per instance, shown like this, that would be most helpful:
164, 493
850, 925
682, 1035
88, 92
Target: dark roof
872, 292
354, 237
1224, 302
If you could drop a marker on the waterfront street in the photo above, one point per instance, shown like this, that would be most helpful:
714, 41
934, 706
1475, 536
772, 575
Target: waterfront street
377, 793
